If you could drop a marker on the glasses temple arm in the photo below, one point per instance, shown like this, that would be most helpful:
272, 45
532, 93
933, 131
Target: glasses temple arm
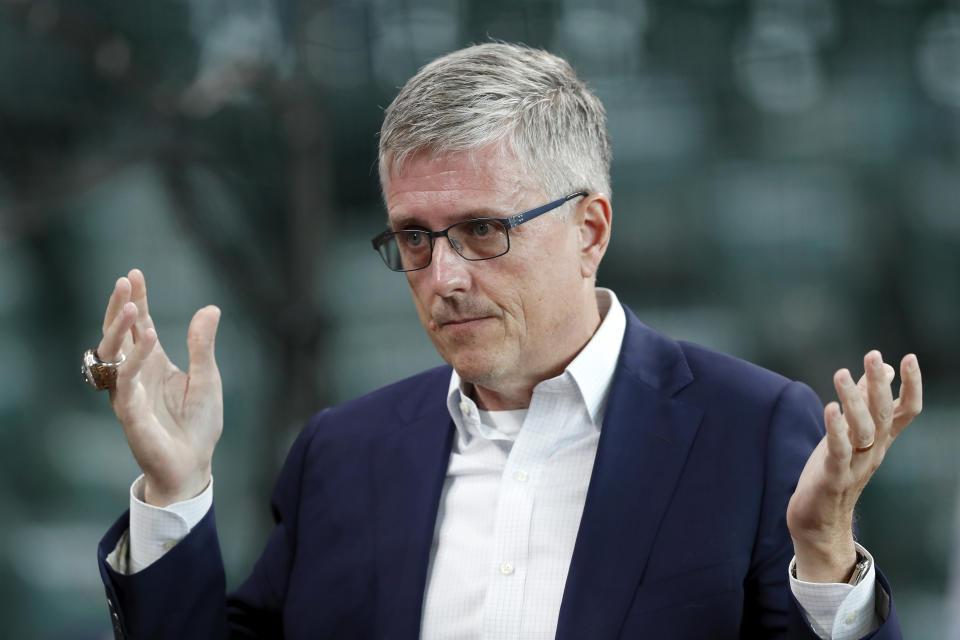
526, 216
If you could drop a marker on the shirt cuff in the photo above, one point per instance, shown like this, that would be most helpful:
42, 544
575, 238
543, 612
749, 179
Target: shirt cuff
839, 611
155, 530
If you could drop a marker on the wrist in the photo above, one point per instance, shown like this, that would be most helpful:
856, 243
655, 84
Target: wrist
825, 563
160, 495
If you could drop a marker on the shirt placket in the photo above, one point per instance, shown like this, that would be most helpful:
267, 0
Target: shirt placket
511, 543
536, 442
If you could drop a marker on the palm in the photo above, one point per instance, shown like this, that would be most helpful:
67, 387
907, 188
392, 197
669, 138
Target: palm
823, 475
172, 419
181, 422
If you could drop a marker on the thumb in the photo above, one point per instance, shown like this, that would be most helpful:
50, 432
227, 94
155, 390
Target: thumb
200, 342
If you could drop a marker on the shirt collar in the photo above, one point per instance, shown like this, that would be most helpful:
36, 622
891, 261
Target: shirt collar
592, 370
593, 367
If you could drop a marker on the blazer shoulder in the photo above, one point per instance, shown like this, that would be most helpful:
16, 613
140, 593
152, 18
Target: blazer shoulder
674, 366
760, 419
719, 375
400, 402
714, 365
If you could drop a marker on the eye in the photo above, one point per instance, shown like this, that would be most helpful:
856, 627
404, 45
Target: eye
413, 239
481, 228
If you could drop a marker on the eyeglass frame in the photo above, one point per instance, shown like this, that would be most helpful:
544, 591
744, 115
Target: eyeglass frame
512, 222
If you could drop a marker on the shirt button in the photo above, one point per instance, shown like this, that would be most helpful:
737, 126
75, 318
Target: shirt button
464, 408
850, 619
169, 544
521, 476
506, 569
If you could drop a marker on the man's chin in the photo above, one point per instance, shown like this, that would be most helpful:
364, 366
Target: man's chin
482, 371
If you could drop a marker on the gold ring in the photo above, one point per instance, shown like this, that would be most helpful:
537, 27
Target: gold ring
99, 374
866, 448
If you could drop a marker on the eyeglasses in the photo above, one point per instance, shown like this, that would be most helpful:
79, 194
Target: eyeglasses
475, 239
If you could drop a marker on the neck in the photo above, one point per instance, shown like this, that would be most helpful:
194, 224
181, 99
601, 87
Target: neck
493, 400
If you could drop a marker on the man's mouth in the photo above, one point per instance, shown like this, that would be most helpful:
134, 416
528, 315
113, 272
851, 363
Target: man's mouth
448, 322
452, 321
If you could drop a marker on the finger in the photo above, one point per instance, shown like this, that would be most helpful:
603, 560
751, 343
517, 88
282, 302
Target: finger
113, 336
127, 372
880, 397
138, 294
838, 437
910, 402
119, 297
859, 421
200, 343
889, 372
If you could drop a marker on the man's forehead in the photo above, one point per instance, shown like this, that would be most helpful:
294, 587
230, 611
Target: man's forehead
441, 208
455, 183
485, 162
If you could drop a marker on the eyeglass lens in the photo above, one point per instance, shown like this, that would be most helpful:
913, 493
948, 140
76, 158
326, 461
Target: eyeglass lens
478, 239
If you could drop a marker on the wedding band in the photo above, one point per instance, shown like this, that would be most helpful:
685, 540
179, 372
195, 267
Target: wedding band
866, 448
99, 374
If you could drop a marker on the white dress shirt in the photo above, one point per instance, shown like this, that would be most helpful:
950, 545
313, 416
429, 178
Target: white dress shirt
510, 510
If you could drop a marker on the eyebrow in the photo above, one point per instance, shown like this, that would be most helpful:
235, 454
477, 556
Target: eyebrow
416, 221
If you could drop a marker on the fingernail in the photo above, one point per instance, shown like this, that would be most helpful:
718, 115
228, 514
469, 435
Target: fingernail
845, 378
913, 362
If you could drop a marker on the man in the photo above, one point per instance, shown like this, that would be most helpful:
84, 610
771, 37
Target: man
571, 474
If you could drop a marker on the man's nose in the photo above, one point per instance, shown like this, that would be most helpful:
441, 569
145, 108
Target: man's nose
450, 270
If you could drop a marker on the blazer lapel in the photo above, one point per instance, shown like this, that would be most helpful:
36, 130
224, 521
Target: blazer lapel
643, 445
410, 466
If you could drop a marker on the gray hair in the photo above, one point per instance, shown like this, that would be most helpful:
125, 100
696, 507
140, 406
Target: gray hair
526, 98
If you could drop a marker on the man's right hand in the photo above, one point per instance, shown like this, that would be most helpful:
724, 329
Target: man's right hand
172, 419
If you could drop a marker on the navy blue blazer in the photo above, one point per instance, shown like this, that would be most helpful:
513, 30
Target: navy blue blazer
683, 534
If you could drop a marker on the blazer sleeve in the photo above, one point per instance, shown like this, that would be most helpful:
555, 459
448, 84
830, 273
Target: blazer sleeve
796, 428
183, 595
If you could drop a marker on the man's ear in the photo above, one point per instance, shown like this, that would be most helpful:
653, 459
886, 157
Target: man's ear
594, 214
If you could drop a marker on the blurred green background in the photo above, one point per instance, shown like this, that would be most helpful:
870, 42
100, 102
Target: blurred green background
786, 188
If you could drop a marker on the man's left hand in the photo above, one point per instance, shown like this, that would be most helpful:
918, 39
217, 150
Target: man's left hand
820, 513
